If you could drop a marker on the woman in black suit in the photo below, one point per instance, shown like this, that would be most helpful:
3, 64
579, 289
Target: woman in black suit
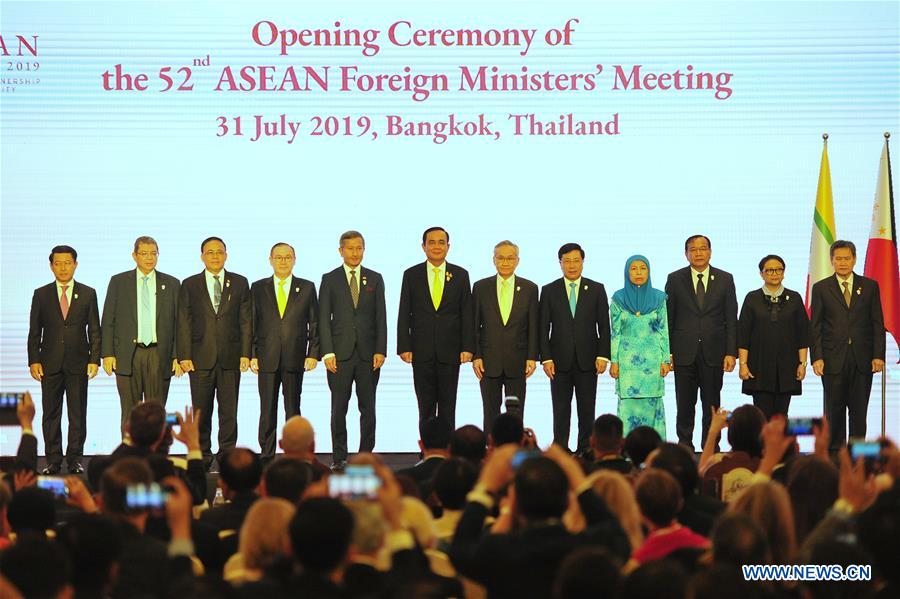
773, 339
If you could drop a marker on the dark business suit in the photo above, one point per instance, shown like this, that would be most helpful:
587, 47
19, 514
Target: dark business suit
773, 332
143, 371
281, 346
354, 335
64, 347
700, 338
847, 339
435, 337
215, 342
574, 343
504, 348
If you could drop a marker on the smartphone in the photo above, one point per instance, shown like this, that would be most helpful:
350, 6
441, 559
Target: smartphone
801, 426
870, 450
8, 404
355, 484
523, 454
54, 484
172, 418
141, 497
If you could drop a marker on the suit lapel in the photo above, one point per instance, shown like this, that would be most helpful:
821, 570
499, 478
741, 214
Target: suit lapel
426, 275
839, 293
688, 279
160, 290
495, 299
205, 290
131, 298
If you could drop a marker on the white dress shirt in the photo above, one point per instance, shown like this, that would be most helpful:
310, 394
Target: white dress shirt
705, 274
211, 285
59, 291
151, 284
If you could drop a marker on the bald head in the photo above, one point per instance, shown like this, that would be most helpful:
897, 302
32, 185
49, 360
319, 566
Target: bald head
298, 438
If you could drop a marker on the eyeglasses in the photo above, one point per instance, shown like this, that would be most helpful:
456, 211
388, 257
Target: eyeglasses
282, 258
774, 271
216, 253
146, 254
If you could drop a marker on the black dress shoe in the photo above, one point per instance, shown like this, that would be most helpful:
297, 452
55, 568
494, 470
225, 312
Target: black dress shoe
51, 469
339, 466
76, 468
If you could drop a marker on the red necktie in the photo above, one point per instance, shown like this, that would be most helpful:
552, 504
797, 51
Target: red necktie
64, 302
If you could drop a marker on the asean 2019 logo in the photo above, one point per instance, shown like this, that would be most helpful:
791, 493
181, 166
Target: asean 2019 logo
21, 64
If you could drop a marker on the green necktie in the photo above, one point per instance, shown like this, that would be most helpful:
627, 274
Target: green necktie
437, 289
282, 298
505, 300
573, 298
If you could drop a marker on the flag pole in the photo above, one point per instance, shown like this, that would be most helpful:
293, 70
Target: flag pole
887, 138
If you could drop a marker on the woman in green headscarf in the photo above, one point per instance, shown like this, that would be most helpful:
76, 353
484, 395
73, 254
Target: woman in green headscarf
640, 348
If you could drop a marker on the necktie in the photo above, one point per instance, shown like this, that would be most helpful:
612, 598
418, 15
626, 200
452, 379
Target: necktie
217, 294
847, 292
146, 333
701, 290
64, 302
573, 298
505, 301
437, 289
282, 298
354, 288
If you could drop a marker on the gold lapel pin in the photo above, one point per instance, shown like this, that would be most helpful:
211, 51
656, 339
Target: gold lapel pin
518, 288
296, 290
585, 287
227, 282
163, 287
75, 296
858, 290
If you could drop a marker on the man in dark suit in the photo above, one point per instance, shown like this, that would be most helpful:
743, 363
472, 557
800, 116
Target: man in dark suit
574, 344
848, 342
434, 327
525, 561
353, 340
285, 341
138, 333
435, 447
702, 309
506, 332
63, 353
214, 341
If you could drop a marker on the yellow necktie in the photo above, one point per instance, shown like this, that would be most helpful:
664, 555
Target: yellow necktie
282, 298
505, 301
437, 289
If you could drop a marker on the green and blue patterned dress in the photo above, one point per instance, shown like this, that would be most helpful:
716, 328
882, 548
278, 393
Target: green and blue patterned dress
640, 344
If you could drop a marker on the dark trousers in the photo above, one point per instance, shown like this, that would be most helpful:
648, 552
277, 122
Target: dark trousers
222, 385
772, 403
291, 385
584, 384
494, 389
354, 370
75, 387
688, 379
436, 384
144, 383
847, 391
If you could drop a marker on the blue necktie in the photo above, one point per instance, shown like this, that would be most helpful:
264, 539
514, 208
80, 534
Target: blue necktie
146, 336
572, 298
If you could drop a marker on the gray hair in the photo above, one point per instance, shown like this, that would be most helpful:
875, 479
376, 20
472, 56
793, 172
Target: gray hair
145, 239
509, 243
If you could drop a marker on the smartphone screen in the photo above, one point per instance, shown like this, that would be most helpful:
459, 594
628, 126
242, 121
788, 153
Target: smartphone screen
865, 449
8, 404
801, 426
145, 497
522, 455
172, 418
356, 483
54, 484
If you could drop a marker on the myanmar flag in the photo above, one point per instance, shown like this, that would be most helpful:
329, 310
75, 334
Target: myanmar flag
823, 232
881, 255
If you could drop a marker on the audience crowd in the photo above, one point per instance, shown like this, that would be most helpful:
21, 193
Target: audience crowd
483, 514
